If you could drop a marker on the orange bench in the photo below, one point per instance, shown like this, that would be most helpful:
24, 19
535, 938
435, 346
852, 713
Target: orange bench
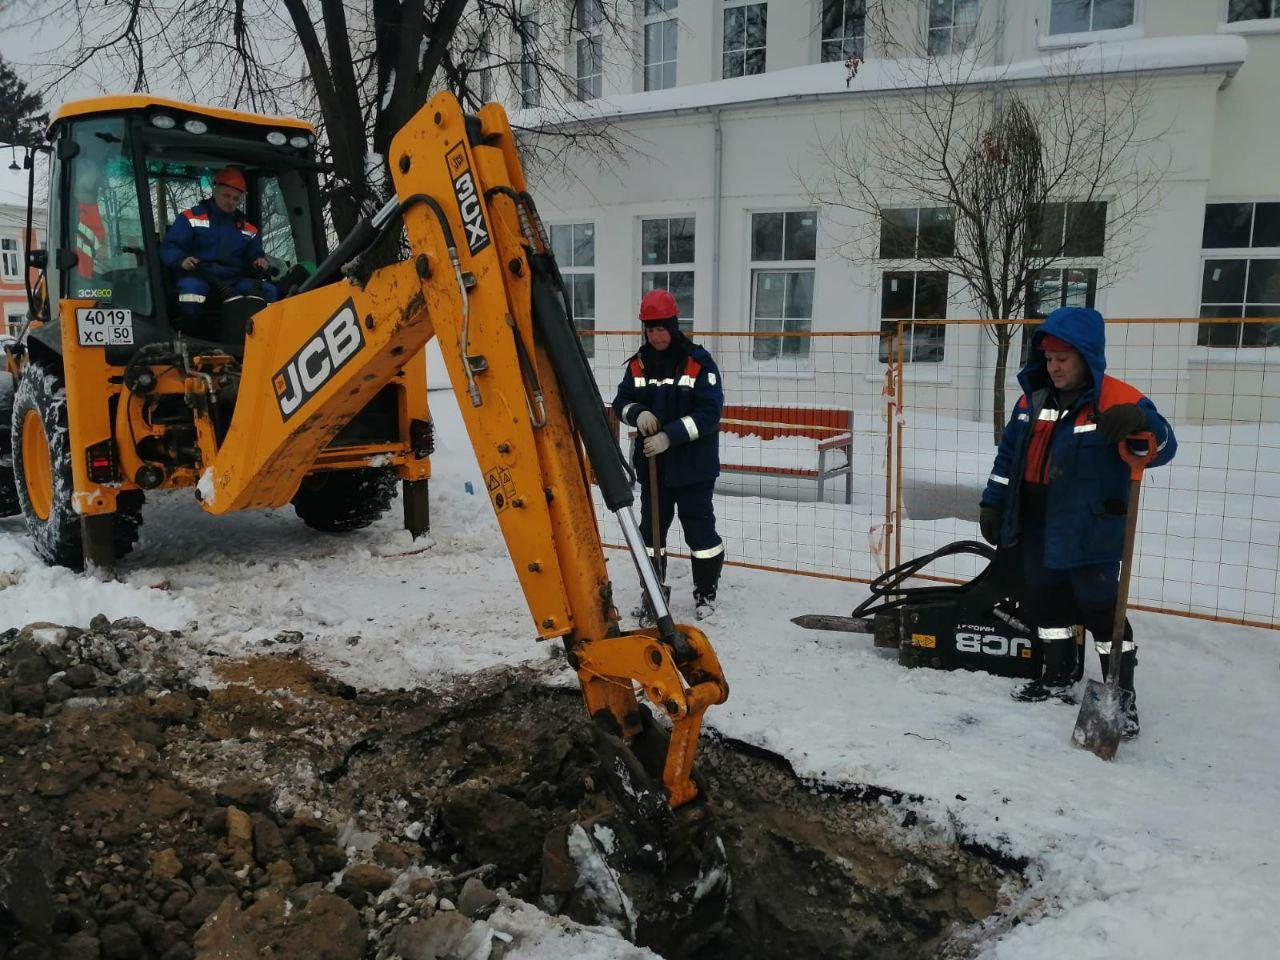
832, 427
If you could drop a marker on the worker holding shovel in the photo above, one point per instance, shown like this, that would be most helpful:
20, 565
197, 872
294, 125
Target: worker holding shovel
1060, 490
672, 394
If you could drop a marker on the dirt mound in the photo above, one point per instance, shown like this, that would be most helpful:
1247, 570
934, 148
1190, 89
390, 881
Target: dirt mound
286, 814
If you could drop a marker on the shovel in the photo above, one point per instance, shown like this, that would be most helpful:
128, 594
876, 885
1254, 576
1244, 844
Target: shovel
1103, 707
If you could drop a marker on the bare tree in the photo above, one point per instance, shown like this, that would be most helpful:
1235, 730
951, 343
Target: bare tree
1028, 172
358, 68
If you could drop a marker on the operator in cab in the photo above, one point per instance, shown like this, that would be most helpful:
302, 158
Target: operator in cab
212, 243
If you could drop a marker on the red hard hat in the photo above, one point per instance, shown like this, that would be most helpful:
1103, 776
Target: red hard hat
231, 177
658, 305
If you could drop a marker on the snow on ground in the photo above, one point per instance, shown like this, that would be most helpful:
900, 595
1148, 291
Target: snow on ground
1171, 851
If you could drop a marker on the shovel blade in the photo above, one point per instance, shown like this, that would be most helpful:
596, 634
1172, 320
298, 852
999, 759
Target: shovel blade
1101, 719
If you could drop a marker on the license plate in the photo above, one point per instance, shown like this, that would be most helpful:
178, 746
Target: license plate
104, 326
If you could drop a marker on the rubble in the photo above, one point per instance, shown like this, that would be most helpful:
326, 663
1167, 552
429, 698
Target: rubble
150, 813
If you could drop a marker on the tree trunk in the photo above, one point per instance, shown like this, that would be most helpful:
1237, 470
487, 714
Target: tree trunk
1003, 339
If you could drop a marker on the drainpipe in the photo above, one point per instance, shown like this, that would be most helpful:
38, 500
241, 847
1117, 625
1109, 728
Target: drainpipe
716, 187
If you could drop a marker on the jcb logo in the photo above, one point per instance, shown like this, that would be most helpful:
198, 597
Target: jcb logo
464, 188
320, 358
993, 645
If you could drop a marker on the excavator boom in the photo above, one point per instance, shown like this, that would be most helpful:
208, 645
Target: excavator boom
480, 278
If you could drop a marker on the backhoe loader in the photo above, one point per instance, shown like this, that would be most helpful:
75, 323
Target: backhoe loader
319, 399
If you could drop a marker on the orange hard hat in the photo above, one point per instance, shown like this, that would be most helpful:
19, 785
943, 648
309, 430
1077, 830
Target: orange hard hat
658, 305
231, 177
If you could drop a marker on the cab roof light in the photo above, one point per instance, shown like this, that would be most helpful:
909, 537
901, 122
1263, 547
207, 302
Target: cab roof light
195, 126
163, 121
277, 139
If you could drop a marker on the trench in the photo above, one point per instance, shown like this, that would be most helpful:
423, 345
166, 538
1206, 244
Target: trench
497, 776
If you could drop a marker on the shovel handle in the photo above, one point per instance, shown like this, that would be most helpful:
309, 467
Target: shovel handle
1137, 461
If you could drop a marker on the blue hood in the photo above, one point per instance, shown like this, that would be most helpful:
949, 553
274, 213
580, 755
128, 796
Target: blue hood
1084, 329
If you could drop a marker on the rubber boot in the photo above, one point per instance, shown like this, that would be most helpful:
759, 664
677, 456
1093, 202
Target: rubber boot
706, 579
1128, 660
1058, 668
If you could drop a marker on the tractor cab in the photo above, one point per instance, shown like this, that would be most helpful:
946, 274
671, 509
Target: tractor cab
125, 168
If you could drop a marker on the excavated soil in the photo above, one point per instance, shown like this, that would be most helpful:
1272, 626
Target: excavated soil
278, 812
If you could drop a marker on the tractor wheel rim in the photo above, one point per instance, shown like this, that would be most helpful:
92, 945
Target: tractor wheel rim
37, 468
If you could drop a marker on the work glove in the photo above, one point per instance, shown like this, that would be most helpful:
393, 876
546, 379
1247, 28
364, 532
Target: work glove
656, 444
989, 523
1116, 423
648, 424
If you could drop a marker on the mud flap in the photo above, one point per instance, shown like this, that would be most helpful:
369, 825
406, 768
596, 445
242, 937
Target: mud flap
98, 537
417, 507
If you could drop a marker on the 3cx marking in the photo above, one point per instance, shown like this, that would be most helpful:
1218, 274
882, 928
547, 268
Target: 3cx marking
464, 189
318, 360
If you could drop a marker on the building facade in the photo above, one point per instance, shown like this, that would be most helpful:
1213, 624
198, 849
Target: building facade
14, 244
720, 108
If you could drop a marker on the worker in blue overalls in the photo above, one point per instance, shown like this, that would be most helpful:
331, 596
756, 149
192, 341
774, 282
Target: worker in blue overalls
214, 240
672, 394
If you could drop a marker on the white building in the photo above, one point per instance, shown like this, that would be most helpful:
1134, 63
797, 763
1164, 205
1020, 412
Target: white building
720, 105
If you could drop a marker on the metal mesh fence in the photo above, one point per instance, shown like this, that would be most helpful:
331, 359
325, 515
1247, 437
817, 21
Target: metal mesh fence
844, 452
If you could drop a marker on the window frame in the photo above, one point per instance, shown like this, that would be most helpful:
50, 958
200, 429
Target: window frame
588, 24
725, 50
844, 36
571, 271
664, 15
1134, 30
6, 252
950, 29
779, 362
1249, 255
528, 35
1273, 15
669, 266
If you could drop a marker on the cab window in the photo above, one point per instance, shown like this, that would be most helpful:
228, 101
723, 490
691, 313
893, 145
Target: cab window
104, 222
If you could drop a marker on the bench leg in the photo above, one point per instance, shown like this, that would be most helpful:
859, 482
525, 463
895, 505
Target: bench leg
822, 473
848, 479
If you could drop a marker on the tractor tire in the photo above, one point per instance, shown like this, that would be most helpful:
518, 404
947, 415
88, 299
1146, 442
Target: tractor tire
9, 505
42, 475
338, 501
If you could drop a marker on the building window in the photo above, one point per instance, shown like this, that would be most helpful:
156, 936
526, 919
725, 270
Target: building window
659, 44
913, 295
1053, 288
589, 49
1064, 231
1239, 10
915, 233
844, 29
665, 244
530, 74
1087, 16
951, 26
911, 233
745, 28
10, 261
1242, 278
1070, 230
784, 247
574, 247
14, 324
